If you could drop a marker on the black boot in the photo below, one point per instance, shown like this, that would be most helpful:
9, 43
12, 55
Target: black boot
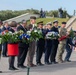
0, 71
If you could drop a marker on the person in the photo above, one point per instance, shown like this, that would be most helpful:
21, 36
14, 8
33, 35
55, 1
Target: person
23, 47
69, 46
32, 45
41, 13
60, 13
0, 42
62, 42
48, 45
55, 43
44, 14
4, 50
40, 45
11, 55
18, 24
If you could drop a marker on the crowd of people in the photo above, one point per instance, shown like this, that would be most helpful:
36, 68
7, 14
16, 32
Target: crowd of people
50, 47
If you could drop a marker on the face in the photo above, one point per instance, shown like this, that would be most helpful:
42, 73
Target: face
24, 24
44, 27
40, 26
63, 25
6, 24
33, 21
56, 24
49, 26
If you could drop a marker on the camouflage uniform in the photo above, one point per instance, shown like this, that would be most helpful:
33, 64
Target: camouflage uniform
31, 53
61, 46
31, 49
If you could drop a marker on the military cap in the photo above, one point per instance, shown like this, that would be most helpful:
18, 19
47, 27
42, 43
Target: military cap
49, 23
32, 17
63, 22
41, 22
55, 21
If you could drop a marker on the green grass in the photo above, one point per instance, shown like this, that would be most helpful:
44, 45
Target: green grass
46, 20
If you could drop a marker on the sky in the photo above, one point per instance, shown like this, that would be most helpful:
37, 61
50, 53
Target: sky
69, 5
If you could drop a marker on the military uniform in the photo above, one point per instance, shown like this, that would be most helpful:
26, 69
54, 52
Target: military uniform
32, 45
55, 43
61, 46
48, 44
31, 52
40, 48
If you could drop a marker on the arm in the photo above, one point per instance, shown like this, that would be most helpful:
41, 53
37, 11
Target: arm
18, 28
3, 29
71, 43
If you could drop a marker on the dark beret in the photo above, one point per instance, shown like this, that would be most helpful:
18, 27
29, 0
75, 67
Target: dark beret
32, 17
63, 22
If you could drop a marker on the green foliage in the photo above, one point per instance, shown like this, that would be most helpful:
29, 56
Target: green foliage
71, 33
46, 20
7, 14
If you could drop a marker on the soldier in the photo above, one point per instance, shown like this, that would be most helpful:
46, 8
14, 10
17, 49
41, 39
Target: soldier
32, 44
40, 45
62, 42
55, 43
48, 45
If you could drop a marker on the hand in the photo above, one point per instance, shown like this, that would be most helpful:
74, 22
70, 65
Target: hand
70, 46
31, 29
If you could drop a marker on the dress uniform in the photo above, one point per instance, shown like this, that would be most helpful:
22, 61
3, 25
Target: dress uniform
48, 45
62, 43
32, 45
40, 45
55, 43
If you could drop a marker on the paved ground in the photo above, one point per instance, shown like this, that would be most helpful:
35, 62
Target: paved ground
55, 69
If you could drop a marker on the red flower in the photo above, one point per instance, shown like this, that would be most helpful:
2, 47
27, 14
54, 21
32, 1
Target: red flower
6, 31
2, 33
62, 38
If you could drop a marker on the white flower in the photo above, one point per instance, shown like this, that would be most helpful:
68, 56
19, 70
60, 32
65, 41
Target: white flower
10, 32
35, 30
16, 32
39, 31
29, 32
